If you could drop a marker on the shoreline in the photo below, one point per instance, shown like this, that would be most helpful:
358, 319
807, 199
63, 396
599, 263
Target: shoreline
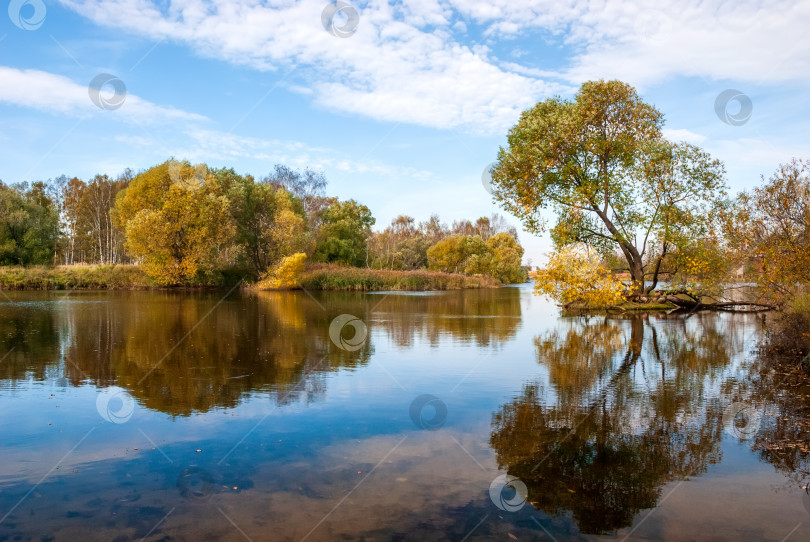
317, 277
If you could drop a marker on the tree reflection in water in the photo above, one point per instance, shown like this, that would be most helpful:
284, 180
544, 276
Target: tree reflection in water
183, 353
628, 409
779, 389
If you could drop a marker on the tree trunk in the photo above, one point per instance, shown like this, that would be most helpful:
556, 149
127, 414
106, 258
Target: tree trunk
630, 252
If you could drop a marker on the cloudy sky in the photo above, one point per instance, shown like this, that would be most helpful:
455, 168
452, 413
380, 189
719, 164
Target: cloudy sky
402, 105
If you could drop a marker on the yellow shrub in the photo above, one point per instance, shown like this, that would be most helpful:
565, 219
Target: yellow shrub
285, 274
576, 273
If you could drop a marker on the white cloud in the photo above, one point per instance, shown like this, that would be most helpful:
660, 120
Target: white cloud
406, 63
213, 146
58, 94
402, 64
645, 43
682, 134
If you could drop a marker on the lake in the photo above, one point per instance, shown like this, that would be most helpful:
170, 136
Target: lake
463, 415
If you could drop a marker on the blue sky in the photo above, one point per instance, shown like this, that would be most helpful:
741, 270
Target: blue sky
402, 115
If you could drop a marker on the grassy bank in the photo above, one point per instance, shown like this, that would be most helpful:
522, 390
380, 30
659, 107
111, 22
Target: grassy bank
315, 277
67, 277
333, 277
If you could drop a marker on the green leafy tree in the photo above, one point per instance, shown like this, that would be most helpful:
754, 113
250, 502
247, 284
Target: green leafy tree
270, 222
505, 259
600, 163
29, 225
343, 234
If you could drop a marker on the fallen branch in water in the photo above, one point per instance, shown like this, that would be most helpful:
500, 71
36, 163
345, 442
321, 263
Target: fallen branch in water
695, 304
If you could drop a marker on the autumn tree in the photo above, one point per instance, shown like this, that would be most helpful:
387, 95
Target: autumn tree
343, 234
89, 228
433, 229
402, 245
769, 230
600, 163
270, 221
505, 258
180, 232
286, 274
499, 257
458, 254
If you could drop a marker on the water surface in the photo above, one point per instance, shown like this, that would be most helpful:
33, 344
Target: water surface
189, 416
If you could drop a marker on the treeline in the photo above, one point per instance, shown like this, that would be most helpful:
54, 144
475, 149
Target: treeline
187, 224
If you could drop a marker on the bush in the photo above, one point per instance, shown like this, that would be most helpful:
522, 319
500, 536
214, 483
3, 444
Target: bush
286, 274
576, 274
790, 331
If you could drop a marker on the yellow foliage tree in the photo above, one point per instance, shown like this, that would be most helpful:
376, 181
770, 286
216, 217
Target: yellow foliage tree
177, 230
285, 274
769, 230
576, 274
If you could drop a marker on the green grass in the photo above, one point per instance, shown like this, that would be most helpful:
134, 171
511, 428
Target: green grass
66, 277
334, 277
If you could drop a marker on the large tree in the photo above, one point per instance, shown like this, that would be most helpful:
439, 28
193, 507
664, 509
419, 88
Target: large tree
180, 231
270, 221
343, 235
601, 164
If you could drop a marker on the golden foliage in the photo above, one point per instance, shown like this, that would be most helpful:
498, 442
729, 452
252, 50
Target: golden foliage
176, 231
769, 229
286, 274
499, 257
576, 273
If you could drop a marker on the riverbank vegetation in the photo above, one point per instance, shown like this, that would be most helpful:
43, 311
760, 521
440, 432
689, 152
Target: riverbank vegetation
639, 219
178, 224
332, 277
78, 276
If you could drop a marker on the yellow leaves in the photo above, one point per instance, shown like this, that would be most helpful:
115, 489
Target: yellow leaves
286, 273
576, 273
175, 231
498, 257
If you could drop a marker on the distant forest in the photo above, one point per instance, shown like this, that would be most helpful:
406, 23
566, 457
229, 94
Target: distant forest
186, 224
